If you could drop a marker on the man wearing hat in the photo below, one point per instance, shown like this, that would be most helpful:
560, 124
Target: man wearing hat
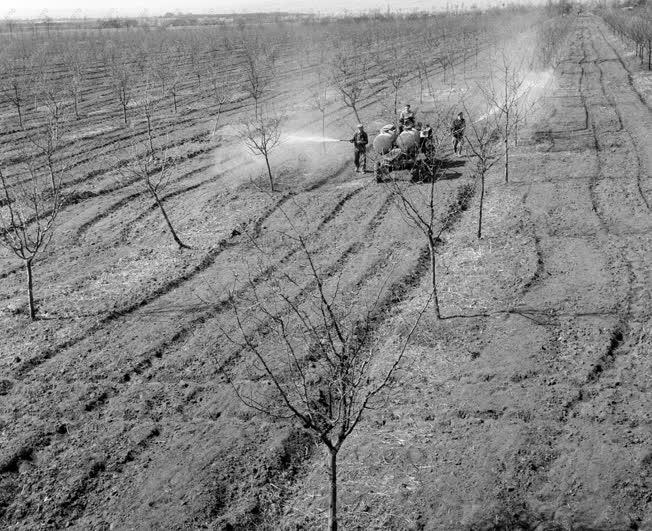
360, 141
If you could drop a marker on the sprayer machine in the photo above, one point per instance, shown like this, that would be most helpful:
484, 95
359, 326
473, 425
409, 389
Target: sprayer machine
403, 150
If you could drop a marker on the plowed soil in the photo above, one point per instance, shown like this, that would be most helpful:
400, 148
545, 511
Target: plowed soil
526, 407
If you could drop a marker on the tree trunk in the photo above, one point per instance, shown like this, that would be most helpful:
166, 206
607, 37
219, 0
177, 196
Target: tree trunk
20, 112
174, 99
506, 160
332, 505
395, 102
355, 111
30, 290
323, 130
507, 148
482, 172
433, 274
75, 101
149, 134
168, 222
269, 172
124, 113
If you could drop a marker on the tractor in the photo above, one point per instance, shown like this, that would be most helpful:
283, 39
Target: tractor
402, 150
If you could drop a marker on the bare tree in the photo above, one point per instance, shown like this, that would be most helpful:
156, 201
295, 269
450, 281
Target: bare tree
221, 93
421, 67
14, 83
122, 82
507, 93
482, 138
166, 70
395, 74
419, 204
320, 358
147, 106
74, 61
27, 218
349, 74
153, 168
261, 136
320, 101
258, 68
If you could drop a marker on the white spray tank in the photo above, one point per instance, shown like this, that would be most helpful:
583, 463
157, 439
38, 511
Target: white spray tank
408, 140
384, 142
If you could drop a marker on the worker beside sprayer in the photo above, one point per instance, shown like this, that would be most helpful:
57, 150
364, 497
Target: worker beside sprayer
457, 130
360, 141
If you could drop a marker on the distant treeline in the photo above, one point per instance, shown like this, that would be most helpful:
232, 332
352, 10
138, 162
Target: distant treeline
169, 19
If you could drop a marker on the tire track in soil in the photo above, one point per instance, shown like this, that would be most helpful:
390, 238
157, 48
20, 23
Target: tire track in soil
542, 447
612, 102
630, 79
635, 268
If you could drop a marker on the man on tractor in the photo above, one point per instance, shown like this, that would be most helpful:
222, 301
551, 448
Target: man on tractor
406, 118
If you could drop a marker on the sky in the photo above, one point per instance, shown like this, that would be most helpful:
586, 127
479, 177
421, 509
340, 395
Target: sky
67, 8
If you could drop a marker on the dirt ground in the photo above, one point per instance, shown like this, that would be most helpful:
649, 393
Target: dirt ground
526, 407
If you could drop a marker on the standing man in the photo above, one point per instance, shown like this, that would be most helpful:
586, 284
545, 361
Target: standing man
425, 138
406, 118
457, 129
360, 141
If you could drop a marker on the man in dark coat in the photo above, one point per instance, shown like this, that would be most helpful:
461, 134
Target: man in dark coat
360, 141
457, 129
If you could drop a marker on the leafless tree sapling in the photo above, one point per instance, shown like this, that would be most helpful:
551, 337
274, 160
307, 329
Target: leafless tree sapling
349, 73
261, 136
123, 82
153, 168
507, 93
27, 218
482, 137
258, 69
320, 361
419, 205
14, 84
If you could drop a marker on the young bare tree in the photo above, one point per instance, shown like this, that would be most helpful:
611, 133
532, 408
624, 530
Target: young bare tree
174, 89
27, 218
221, 92
147, 106
14, 83
166, 70
482, 142
320, 101
261, 136
123, 84
507, 93
258, 68
419, 204
153, 168
74, 61
349, 72
320, 358
396, 74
